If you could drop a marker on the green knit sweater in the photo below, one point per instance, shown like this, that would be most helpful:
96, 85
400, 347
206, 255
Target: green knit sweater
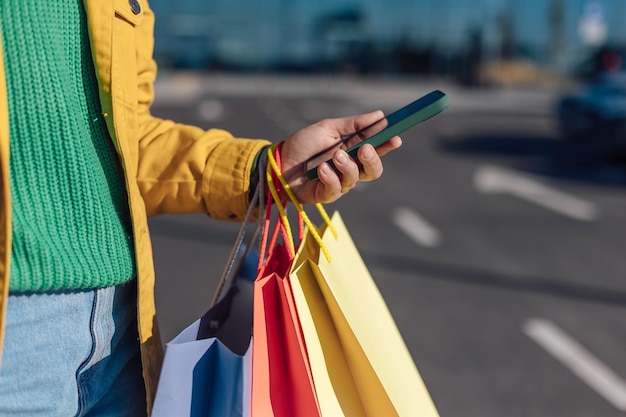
71, 224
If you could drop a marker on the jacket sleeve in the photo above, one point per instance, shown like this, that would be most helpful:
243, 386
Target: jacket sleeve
182, 168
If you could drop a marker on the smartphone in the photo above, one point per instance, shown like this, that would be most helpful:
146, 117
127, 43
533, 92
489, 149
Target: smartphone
383, 130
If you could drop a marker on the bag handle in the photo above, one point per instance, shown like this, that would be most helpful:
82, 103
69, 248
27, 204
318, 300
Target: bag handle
235, 256
269, 165
274, 196
285, 186
263, 199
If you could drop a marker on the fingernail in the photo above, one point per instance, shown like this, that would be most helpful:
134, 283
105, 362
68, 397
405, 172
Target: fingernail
324, 168
342, 158
368, 153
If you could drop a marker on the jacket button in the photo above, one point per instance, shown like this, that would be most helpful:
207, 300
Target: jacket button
135, 7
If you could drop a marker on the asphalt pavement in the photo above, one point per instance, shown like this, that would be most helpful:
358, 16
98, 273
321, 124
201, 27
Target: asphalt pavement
497, 245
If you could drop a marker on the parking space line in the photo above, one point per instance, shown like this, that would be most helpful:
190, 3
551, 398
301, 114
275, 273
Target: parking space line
578, 360
415, 227
490, 179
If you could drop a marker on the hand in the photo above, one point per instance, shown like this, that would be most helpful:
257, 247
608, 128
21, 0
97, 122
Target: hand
331, 184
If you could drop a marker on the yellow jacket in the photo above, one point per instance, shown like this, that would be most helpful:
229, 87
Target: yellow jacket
169, 167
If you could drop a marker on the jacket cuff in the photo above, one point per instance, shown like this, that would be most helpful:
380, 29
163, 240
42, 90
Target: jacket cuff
226, 179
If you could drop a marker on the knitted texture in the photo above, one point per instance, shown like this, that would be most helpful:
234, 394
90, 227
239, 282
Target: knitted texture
71, 224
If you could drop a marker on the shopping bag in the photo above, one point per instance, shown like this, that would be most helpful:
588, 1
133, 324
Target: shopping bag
282, 383
359, 363
207, 367
358, 359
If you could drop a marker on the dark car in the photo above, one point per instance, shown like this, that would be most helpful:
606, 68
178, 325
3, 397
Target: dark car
597, 112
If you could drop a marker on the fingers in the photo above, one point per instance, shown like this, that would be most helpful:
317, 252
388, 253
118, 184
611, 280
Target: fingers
346, 173
370, 160
349, 172
329, 187
334, 182
337, 179
392, 144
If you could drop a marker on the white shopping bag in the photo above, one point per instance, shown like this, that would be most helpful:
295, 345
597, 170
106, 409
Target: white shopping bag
207, 367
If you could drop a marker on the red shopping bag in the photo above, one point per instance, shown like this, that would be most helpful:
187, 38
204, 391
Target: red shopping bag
282, 384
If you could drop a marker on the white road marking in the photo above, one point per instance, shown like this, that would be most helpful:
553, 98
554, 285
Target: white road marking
416, 227
493, 180
578, 360
211, 110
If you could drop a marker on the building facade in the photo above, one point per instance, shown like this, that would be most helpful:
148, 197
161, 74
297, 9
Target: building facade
411, 36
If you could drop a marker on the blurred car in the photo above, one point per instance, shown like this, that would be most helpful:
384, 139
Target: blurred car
597, 112
606, 59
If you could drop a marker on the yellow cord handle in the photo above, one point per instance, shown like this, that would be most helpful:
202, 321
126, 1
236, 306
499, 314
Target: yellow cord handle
298, 205
281, 209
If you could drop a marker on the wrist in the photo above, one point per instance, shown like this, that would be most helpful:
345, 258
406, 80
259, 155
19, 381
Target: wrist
255, 175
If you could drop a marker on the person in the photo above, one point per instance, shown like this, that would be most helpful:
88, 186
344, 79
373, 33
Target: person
83, 164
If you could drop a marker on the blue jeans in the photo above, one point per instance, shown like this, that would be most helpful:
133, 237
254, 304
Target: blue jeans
72, 353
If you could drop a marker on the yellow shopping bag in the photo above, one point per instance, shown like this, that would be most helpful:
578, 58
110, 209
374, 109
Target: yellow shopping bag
359, 361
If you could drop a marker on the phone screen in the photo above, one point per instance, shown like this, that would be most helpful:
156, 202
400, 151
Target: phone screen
383, 130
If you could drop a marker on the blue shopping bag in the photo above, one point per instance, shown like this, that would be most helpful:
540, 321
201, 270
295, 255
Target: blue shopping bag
207, 367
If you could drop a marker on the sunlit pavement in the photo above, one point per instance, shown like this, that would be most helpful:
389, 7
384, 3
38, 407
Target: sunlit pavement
498, 246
